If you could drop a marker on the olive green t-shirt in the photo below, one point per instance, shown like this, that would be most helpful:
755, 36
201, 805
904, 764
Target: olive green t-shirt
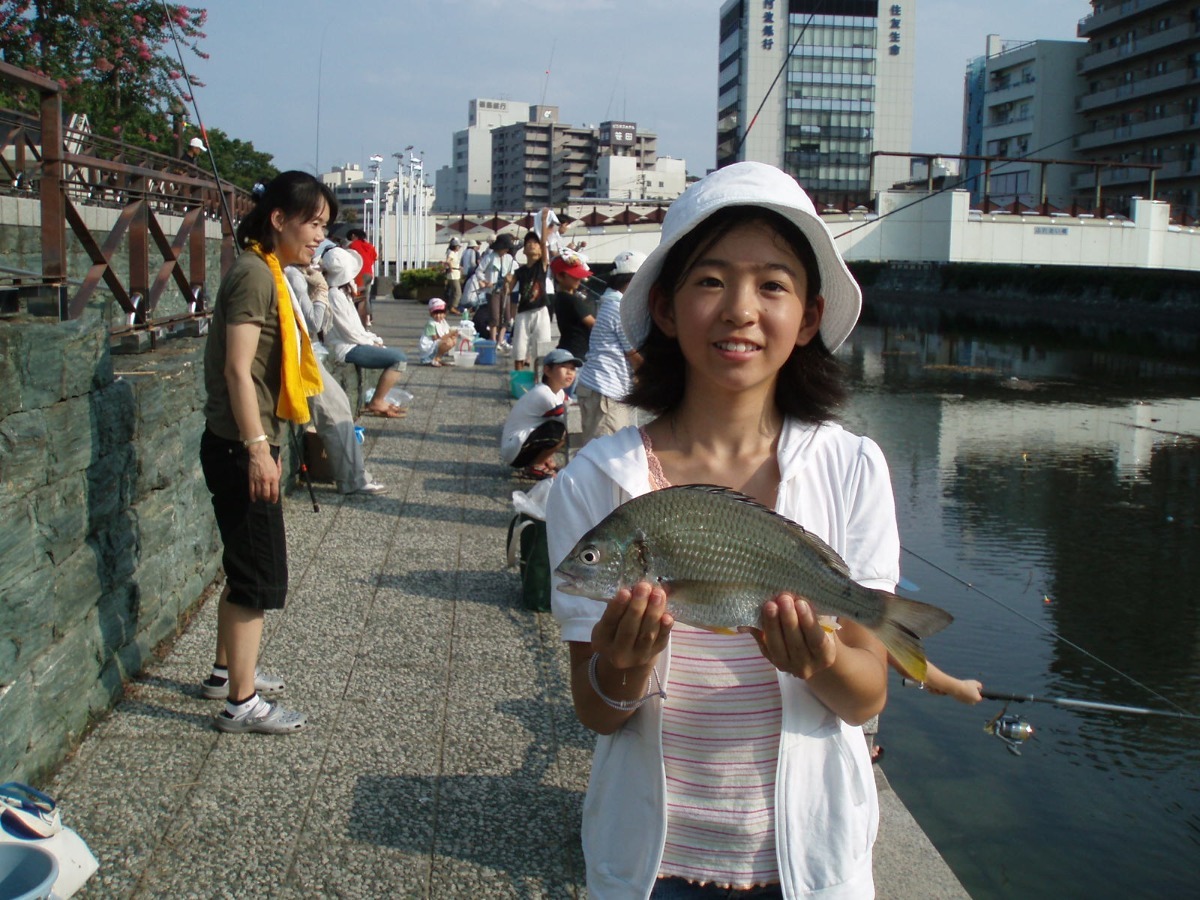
246, 295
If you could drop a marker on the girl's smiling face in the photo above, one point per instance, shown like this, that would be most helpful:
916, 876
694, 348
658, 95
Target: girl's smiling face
739, 310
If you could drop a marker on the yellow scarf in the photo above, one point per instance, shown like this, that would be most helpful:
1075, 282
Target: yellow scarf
300, 378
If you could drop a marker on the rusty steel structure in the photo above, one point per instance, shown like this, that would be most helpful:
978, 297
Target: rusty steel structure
68, 169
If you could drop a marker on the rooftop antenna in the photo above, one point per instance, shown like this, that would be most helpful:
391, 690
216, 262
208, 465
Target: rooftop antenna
546, 82
320, 66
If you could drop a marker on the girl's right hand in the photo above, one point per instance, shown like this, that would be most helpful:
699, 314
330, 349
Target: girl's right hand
634, 627
265, 473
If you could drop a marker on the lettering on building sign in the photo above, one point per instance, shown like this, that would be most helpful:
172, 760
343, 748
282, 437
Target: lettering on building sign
894, 34
1051, 229
623, 133
768, 24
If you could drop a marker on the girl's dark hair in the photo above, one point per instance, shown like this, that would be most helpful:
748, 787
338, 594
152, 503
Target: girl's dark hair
296, 194
811, 384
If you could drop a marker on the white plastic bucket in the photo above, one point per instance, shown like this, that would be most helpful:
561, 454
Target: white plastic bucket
466, 359
26, 872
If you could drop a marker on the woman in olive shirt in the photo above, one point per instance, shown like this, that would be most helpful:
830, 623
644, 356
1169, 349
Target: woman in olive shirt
258, 372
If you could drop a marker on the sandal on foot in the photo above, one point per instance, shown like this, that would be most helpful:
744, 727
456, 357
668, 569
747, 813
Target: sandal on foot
389, 413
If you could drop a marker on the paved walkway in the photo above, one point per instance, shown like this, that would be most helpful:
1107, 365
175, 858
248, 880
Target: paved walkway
442, 759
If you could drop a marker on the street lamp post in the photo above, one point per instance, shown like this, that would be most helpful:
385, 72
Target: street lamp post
373, 227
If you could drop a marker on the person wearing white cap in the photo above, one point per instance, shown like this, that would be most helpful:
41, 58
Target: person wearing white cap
194, 150
607, 375
736, 315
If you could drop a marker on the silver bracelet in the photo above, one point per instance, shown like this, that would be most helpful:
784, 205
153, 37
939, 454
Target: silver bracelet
623, 705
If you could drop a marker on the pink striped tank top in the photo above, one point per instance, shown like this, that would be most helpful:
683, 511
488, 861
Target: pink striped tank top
721, 724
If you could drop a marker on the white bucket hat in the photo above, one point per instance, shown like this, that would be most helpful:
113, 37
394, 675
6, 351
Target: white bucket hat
749, 184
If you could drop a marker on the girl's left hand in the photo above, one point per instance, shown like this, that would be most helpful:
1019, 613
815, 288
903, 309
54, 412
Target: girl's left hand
792, 639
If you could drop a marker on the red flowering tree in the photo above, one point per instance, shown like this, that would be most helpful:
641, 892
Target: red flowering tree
115, 59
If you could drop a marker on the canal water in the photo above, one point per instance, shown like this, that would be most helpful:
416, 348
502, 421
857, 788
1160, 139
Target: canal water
1049, 497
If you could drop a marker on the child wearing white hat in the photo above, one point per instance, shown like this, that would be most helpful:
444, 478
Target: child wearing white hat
735, 316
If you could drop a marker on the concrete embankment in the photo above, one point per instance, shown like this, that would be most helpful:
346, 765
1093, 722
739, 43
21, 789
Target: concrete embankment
1150, 311
443, 757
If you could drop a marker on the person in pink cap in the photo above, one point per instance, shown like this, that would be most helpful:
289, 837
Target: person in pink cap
438, 338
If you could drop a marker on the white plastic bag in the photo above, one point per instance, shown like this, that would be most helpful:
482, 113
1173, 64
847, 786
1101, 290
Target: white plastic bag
533, 502
396, 396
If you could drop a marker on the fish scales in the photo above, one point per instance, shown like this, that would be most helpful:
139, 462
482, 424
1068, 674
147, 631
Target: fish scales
757, 557
719, 555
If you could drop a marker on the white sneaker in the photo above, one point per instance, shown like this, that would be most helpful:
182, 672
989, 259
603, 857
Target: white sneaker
372, 487
264, 718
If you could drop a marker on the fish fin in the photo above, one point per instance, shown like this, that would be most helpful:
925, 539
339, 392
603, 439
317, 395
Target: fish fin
827, 554
905, 622
919, 619
905, 648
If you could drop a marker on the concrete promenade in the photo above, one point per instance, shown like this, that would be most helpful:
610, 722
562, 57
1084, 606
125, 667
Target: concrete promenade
442, 756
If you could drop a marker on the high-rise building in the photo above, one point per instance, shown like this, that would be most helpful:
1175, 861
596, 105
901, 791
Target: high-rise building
1140, 99
466, 184
1020, 102
844, 92
541, 162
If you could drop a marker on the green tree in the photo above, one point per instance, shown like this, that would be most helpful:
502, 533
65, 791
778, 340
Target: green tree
115, 60
237, 161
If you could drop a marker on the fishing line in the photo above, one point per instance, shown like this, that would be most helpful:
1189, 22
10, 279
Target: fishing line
1030, 157
775, 80
199, 121
1047, 629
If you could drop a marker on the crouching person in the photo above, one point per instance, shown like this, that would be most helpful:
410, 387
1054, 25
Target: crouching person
536, 428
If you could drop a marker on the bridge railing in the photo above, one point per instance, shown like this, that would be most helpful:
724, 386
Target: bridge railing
160, 209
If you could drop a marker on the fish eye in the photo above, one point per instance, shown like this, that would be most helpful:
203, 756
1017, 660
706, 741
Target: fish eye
589, 555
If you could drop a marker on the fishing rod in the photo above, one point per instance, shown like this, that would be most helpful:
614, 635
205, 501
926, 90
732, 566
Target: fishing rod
212, 160
298, 452
1185, 713
1072, 703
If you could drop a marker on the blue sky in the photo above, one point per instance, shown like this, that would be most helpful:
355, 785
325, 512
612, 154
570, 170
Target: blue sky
378, 76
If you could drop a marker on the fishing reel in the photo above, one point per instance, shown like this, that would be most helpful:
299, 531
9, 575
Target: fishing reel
1010, 728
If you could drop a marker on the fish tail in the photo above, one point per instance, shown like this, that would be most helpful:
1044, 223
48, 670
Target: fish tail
904, 623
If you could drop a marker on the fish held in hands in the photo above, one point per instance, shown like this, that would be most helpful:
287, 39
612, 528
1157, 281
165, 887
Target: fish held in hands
720, 555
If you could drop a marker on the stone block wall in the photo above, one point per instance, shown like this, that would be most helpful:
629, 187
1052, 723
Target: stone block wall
108, 538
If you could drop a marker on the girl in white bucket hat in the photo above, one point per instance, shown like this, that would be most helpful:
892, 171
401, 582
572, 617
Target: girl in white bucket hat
743, 752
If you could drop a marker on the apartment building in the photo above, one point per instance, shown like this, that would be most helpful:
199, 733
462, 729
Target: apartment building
542, 162
1140, 102
843, 94
1020, 107
466, 184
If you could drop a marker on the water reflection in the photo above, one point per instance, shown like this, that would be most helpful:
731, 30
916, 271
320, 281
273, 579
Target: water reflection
1063, 486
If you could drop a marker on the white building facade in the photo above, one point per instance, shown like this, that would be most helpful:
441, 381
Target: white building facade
845, 92
466, 184
622, 178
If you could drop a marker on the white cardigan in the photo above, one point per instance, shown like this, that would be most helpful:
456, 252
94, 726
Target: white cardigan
826, 809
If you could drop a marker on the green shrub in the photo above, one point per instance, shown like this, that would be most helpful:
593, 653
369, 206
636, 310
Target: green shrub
415, 282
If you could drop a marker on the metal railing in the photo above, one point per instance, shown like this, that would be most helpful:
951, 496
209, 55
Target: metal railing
67, 171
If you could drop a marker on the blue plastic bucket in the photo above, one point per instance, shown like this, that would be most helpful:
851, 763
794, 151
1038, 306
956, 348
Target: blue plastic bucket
26, 872
487, 353
519, 382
